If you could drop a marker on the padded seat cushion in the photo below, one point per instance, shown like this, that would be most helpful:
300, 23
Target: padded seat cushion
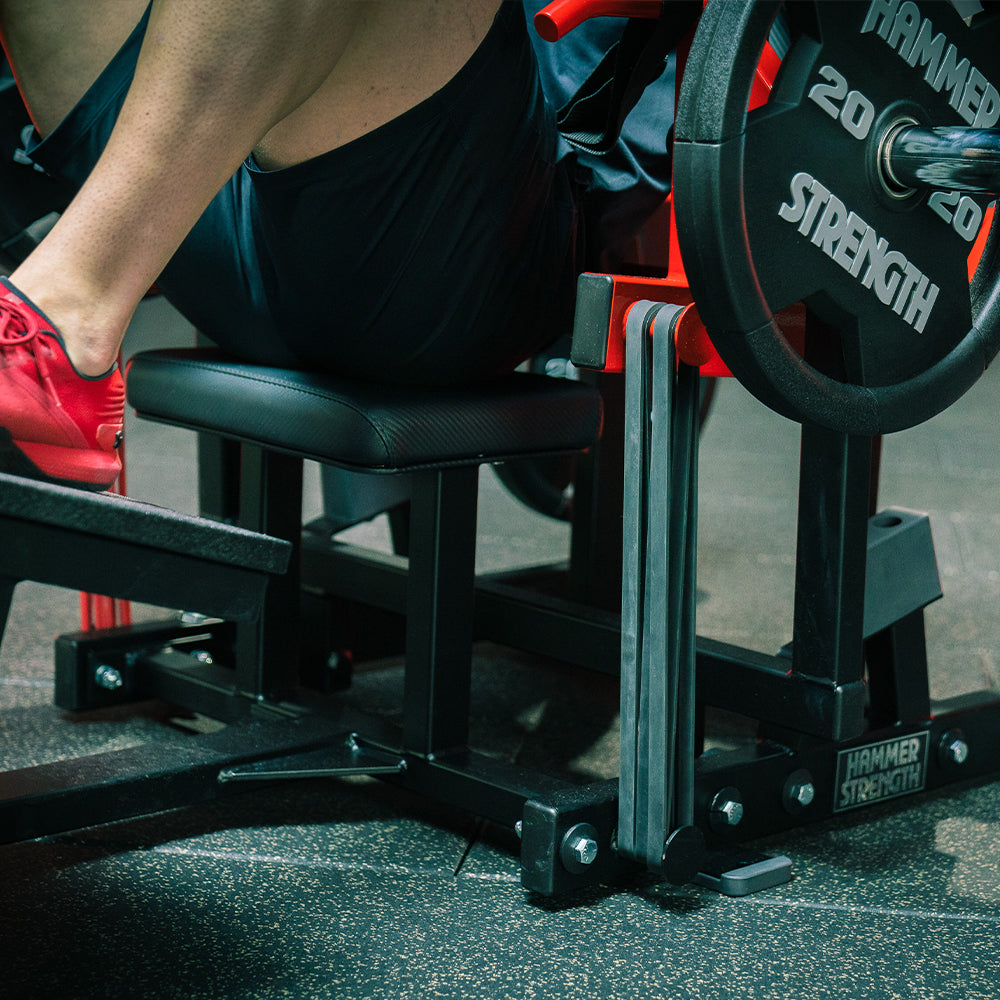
363, 425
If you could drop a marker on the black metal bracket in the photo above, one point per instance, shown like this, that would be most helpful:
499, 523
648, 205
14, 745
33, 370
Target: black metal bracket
99, 669
569, 840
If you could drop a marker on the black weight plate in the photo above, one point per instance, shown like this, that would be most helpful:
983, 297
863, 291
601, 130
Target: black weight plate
787, 204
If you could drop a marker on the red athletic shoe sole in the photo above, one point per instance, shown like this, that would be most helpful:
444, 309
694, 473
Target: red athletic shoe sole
80, 468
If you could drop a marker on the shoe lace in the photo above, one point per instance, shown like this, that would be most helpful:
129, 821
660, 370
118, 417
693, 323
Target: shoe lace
19, 326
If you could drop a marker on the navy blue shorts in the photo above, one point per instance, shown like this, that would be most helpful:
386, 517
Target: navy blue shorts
438, 248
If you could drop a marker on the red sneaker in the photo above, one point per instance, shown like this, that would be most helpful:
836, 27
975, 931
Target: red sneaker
55, 423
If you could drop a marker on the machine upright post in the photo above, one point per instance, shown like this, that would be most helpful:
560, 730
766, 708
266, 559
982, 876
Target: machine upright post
831, 555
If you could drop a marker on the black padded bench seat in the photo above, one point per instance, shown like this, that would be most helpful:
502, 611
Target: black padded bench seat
357, 425
113, 545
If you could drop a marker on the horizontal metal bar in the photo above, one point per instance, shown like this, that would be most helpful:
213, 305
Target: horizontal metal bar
122, 784
728, 677
763, 688
760, 772
516, 616
947, 159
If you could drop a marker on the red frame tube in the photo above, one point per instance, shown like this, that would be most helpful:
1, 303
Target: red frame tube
561, 16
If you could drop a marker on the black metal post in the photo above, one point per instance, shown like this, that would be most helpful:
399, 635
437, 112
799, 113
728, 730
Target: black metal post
267, 650
439, 609
596, 550
831, 555
218, 478
897, 673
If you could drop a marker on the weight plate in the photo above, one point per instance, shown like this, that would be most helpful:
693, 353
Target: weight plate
788, 203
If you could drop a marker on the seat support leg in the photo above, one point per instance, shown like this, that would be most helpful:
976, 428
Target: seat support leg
267, 650
218, 477
440, 599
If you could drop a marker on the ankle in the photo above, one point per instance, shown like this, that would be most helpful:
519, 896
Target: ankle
90, 336
90, 352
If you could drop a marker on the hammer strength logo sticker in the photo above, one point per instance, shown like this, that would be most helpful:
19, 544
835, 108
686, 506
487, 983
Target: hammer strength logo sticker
850, 242
880, 771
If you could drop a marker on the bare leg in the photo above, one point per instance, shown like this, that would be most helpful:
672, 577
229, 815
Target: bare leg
215, 81
59, 47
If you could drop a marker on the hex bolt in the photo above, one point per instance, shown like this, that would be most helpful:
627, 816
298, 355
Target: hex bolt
109, 678
953, 748
726, 809
799, 791
579, 848
584, 849
804, 793
732, 811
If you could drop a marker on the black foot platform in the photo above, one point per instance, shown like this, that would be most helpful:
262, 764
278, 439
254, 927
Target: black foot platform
108, 544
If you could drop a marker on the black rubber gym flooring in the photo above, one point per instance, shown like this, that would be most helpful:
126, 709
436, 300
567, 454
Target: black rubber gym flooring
351, 889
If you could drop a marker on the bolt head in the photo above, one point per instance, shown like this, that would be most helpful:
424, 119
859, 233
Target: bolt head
584, 849
804, 793
725, 809
109, 678
730, 812
578, 849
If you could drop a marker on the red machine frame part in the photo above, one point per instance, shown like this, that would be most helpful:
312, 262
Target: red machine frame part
97, 611
561, 16
694, 347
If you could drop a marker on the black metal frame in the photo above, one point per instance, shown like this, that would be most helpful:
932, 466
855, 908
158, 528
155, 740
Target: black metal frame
244, 674
854, 676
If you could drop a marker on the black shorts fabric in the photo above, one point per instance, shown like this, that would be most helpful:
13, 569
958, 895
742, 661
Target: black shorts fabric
438, 248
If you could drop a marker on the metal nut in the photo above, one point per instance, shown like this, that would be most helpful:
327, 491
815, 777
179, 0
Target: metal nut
953, 748
731, 813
